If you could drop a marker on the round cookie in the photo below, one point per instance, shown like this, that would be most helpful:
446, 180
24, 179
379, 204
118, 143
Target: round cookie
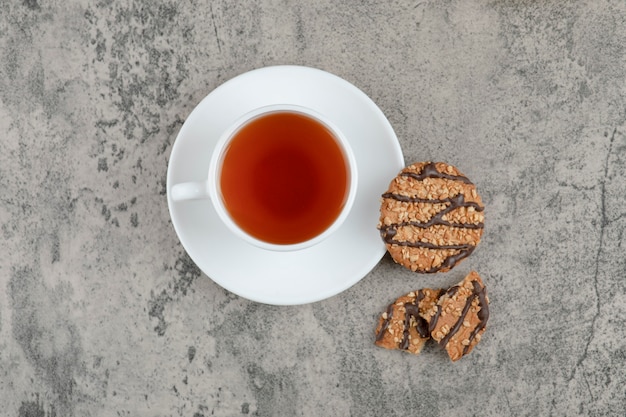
431, 217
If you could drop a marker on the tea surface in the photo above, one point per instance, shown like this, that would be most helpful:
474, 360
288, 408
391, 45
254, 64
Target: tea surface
284, 178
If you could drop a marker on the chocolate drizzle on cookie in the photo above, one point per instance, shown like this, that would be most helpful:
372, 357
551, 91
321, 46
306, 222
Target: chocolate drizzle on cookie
386, 321
430, 171
412, 311
483, 313
454, 203
433, 320
450, 292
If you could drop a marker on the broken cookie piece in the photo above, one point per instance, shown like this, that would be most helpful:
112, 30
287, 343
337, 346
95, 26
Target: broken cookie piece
458, 319
402, 326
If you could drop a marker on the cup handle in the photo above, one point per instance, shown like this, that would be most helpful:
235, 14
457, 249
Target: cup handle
190, 191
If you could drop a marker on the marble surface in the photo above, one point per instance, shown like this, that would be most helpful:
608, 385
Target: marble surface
103, 314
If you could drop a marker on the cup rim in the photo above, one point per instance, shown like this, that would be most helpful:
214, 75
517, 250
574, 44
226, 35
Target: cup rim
215, 165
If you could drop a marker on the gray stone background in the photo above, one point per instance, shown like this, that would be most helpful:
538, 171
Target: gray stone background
103, 314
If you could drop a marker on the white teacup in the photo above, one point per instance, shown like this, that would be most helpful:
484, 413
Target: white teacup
282, 177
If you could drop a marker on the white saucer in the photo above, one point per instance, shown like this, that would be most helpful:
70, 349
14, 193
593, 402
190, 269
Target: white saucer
285, 278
